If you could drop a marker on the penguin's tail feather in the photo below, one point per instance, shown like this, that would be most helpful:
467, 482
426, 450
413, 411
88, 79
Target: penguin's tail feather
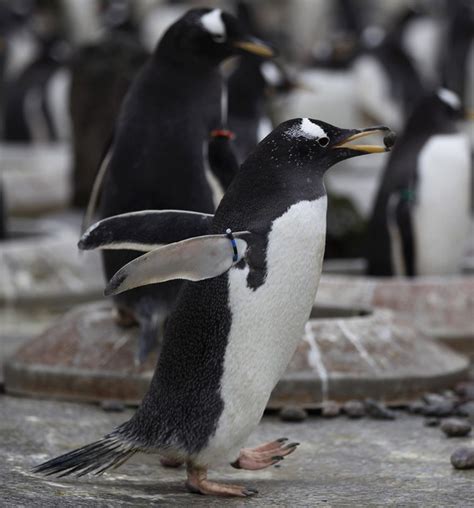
98, 457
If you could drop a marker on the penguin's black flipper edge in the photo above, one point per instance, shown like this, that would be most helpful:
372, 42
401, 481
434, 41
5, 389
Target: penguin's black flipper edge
400, 229
195, 259
145, 230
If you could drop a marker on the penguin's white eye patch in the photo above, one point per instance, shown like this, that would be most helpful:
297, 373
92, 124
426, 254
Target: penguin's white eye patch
271, 73
213, 23
449, 98
310, 130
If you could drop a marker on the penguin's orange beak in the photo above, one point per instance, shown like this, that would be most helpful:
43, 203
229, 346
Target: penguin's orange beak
389, 139
254, 46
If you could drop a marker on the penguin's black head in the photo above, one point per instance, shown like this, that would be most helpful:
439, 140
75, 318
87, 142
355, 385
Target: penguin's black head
312, 144
209, 36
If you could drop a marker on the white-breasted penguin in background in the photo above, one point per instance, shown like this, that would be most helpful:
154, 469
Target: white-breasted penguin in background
236, 327
421, 218
157, 157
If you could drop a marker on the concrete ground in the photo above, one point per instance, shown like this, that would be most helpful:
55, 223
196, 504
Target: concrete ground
340, 463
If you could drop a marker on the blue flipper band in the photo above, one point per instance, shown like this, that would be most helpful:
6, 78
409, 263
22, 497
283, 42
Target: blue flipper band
230, 236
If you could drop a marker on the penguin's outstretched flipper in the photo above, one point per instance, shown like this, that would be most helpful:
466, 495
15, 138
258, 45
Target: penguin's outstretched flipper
145, 230
203, 257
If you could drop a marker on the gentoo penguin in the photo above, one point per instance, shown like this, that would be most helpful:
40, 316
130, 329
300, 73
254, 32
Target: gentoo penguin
420, 220
387, 82
249, 86
35, 102
157, 157
101, 73
237, 324
457, 56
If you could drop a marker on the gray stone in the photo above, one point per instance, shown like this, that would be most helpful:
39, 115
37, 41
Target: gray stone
432, 422
433, 399
463, 458
454, 427
416, 407
340, 463
112, 406
377, 410
465, 390
354, 409
467, 410
293, 414
330, 409
444, 408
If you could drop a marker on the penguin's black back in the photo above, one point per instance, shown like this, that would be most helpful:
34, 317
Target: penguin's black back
157, 160
246, 88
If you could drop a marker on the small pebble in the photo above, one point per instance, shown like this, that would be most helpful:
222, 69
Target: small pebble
389, 139
467, 410
465, 390
354, 409
454, 427
463, 458
378, 410
417, 407
432, 422
445, 408
293, 414
433, 398
112, 406
330, 409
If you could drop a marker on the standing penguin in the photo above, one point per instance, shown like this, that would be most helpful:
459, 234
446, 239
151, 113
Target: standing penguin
236, 327
387, 82
249, 85
157, 157
421, 216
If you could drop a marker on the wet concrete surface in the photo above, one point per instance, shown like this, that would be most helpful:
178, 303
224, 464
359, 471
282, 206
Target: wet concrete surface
340, 463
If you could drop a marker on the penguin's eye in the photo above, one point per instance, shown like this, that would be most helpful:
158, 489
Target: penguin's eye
219, 38
324, 141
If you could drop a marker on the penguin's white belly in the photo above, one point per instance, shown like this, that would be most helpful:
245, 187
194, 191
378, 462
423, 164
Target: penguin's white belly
441, 214
267, 323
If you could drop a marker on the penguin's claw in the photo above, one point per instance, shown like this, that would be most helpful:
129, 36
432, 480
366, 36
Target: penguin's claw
199, 484
264, 455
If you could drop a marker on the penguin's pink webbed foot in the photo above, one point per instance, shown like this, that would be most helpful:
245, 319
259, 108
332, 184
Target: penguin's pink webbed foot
264, 455
198, 483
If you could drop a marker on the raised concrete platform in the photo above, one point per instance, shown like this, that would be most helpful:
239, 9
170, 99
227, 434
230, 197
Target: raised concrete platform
345, 354
43, 274
440, 307
340, 463
37, 179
